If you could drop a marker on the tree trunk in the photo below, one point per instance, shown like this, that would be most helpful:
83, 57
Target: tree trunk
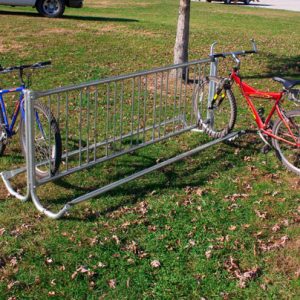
182, 35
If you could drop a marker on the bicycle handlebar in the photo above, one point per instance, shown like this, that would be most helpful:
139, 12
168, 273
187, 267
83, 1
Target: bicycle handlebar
236, 53
37, 65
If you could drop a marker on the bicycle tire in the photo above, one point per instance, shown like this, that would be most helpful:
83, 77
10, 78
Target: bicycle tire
281, 147
2, 144
42, 139
216, 120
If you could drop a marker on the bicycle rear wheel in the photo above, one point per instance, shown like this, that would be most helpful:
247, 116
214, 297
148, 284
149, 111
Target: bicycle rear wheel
289, 155
216, 114
48, 147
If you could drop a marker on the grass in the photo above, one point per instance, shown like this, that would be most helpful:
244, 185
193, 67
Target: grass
191, 216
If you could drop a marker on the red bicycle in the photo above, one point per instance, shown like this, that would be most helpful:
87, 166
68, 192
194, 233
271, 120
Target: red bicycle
216, 112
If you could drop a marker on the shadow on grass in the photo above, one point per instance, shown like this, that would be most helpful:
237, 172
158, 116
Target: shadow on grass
72, 17
282, 66
186, 174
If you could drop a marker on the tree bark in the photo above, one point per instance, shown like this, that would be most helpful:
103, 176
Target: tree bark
182, 35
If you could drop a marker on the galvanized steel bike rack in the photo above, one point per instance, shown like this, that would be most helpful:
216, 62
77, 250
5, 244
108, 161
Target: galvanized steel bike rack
105, 119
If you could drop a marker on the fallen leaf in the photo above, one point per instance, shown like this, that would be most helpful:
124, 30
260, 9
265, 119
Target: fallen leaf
101, 265
199, 192
262, 215
83, 270
49, 261
112, 283
192, 243
128, 283
276, 228
52, 282
62, 268
151, 228
208, 254
232, 228
116, 239
12, 284
155, 264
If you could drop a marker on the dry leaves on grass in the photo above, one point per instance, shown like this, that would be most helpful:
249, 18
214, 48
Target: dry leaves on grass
276, 228
232, 266
134, 248
273, 245
12, 284
2, 230
82, 270
234, 197
19, 230
141, 209
261, 215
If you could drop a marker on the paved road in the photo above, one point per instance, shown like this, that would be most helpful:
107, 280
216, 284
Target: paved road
279, 4
274, 4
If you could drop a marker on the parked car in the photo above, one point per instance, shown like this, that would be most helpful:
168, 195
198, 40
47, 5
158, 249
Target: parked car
229, 1
46, 8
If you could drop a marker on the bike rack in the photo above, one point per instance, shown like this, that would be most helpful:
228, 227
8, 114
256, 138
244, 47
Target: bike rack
105, 119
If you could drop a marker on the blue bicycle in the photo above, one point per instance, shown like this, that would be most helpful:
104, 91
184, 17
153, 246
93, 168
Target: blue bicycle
48, 146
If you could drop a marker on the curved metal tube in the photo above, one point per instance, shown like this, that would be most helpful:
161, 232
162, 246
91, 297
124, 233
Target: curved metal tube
48, 213
11, 190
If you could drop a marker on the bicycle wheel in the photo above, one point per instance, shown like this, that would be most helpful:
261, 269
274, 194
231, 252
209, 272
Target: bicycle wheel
289, 155
216, 114
2, 135
47, 144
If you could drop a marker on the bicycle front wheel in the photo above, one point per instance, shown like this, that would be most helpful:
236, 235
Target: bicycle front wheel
215, 113
288, 154
47, 141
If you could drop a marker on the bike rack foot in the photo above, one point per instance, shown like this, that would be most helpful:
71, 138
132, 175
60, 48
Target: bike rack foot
6, 176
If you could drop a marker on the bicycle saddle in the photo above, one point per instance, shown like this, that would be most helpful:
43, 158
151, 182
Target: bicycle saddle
287, 83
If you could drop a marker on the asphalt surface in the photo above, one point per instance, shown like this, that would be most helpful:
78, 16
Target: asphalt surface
278, 4
293, 5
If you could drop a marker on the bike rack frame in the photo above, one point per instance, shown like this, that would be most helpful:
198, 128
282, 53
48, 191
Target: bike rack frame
108, 118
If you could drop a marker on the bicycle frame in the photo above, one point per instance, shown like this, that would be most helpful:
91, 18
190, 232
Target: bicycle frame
250, 92
9, 127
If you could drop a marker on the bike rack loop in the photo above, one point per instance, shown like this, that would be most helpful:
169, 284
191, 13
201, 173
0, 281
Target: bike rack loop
179, 122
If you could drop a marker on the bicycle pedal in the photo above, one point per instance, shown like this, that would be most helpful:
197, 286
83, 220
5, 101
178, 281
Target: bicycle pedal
266, 149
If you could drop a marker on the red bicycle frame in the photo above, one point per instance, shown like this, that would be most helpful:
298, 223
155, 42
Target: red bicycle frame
249, 92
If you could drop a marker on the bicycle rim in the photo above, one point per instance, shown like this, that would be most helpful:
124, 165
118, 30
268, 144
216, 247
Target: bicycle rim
288, 154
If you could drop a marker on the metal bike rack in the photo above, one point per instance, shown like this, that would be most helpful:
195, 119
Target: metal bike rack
105, 119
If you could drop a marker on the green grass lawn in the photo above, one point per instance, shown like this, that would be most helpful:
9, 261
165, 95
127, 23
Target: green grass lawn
223, 224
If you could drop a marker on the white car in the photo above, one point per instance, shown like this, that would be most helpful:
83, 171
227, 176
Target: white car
46, 8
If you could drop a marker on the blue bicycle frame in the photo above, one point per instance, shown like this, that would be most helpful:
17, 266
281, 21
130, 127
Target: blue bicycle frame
9, 127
